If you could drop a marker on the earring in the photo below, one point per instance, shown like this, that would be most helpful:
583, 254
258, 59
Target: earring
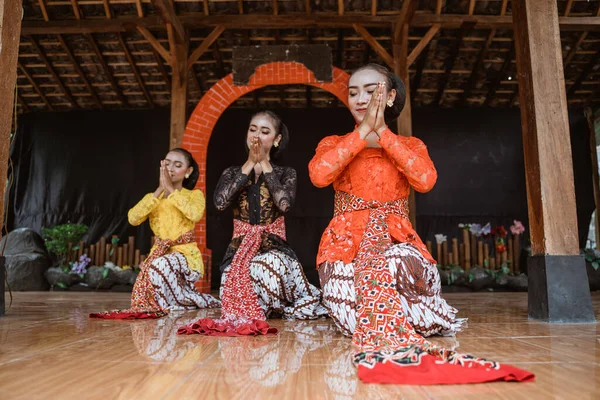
390, 103
276, 144
187, 176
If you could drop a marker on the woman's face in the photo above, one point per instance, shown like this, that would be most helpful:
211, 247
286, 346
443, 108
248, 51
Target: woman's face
262, 127
177, 166
361, 87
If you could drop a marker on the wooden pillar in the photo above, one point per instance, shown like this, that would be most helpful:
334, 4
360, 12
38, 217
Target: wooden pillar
589, 113
178, 92
10, 28
558, 284
400, 48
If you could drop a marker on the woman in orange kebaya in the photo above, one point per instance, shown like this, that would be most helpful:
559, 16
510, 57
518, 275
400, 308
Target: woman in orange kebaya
379, 282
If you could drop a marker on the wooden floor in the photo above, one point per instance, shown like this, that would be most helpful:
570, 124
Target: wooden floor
49, 349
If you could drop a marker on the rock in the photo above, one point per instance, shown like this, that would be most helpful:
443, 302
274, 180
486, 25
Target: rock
458, 276
593, 276
501, 282
517, 283
26, 260
126, 277
24, 241
26, 272
479, 279
94, 279
56, 276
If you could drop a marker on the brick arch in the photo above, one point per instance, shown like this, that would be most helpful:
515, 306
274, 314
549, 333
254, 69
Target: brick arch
206, 114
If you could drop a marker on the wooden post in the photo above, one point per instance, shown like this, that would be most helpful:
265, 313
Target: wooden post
467, 243
80, 251
120, 257
131, 244
92, 254
400, 49
440, 257
461, 255
125, 255
549, 168
102, 251
486, 254
179, 50
429, 247
455, 250
107, 253
480, 253
136, 260
445, 252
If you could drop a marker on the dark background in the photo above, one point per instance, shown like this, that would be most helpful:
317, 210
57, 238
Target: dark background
91, 166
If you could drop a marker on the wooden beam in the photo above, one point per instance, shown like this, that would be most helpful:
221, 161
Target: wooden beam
378, 48
471, 7
450, 60
573, 51
106, 70
206, 7
307, 7
586, 70
499, 76
340, 7
161, 68
42, 4
568, 8
167, 11
79, 71
10, 28
50, 68
545, 124
275, 6
76, 10
107, 9
240, 6
423, 43
373, 7
438, 7
140, 9
23, 104
178, 94
134, 68
155, 43
246, 21
205, 45
35, 86
407, 13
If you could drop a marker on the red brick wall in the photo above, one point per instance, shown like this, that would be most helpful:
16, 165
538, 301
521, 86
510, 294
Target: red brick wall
222, 95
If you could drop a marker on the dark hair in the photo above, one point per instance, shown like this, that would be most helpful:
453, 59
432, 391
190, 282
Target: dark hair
280, 129
393, 81
189, 183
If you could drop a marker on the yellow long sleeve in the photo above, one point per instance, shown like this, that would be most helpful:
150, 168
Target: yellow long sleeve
192, 206
141, 211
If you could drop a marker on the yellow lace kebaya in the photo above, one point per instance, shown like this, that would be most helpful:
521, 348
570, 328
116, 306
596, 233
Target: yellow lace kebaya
171, 217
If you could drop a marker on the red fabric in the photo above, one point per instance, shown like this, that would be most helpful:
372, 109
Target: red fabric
211, 327
143, 297
127, 315
241, 311
431, 372
390, 349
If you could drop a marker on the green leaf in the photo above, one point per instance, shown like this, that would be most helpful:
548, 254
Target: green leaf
61, 285
589, 258
595, 264
486, 263
82, 276
105, 272
471, 277
110, 253
115, 240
